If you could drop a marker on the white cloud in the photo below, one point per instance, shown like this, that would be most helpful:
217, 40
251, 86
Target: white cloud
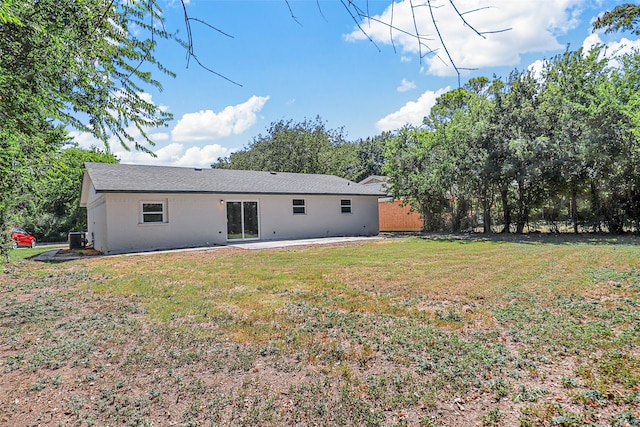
613, 48
208, 125
159, 136
146, 96
534, 26
590, 42
205, 125
203, 156
537, 67
411, 113
175, 154
84, 139
406, 85
172, 154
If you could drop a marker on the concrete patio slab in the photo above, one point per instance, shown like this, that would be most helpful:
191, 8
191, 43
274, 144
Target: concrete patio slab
274, 244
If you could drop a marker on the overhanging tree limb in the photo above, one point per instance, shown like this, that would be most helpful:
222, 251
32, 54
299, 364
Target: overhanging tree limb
620, 18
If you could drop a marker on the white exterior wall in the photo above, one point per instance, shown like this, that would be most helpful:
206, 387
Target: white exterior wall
191, 220
200, 219
97, 221
323, 217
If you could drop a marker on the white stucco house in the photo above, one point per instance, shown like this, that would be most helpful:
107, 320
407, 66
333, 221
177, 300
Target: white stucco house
143, 208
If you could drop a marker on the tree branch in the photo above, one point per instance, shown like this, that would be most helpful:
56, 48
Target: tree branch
190, 48
422, 40
291, 12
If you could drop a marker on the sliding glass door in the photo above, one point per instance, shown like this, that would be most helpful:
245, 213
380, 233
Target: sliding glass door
242, 221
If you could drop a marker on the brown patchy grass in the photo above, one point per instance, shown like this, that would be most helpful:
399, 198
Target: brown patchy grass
417, 331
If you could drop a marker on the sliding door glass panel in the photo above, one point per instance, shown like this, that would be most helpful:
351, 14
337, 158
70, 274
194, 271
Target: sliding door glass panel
242, 220
250, 220
234, 220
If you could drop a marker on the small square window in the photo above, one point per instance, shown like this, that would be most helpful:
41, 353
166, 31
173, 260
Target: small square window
299, 207
153, 213
345, 206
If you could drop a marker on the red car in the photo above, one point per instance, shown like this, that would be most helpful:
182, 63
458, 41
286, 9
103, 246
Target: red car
20, 237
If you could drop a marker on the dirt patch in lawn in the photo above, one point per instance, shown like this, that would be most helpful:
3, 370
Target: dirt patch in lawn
85, 252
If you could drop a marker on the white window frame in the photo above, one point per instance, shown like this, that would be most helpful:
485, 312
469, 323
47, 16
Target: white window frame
345, 205
242, 203
162, 203
303, 206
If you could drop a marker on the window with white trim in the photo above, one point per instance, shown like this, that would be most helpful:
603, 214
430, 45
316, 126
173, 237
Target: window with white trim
152, 212
299, 207
345, 206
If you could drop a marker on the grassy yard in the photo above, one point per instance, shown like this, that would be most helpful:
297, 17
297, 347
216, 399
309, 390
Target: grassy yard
25, 253
413, 331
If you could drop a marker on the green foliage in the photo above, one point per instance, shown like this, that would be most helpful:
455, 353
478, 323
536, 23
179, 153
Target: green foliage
371, 155
304, 147
626, 418
559, 146
622, 17
81, 64
22, 159
7, 13
414, 167
309, 147
52, 208
492, 418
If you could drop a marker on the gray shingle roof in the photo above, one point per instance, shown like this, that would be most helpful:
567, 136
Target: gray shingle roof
122, 178
377, 182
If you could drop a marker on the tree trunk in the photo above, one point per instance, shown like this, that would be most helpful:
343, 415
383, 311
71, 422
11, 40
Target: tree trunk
459, 211
486, 201
486, 216
522, 215
574, 209
634, 209
4, 234
596, 207
506, 212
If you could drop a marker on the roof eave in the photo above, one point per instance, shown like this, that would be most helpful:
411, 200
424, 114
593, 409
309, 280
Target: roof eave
275, 193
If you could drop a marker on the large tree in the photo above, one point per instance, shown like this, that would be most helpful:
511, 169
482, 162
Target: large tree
82, 64
22, 159
52, 206
617, 123
570, 97
416, 167
289, 146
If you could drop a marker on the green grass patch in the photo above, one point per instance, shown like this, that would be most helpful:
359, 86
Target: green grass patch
26, 253
392, 332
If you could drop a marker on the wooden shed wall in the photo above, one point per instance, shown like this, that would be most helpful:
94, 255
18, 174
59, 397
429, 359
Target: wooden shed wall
394, 217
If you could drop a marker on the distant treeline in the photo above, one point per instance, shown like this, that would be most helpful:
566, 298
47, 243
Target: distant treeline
537, 150
542, 147
310, 147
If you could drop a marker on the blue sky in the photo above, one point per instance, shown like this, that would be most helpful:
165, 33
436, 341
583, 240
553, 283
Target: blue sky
320, 64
